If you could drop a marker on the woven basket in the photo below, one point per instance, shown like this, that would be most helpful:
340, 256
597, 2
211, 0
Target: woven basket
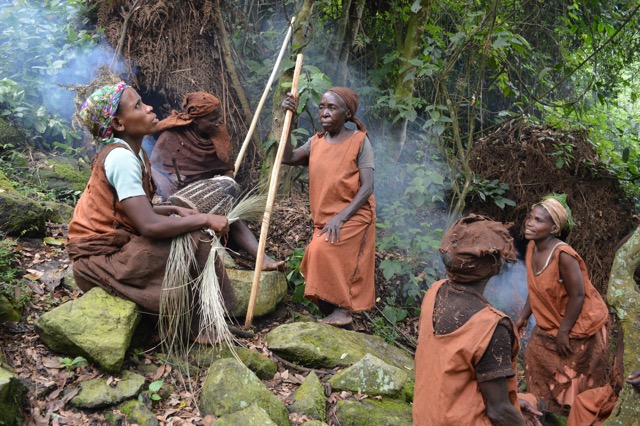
213, 196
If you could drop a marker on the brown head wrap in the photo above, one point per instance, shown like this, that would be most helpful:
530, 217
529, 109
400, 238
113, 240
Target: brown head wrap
199, 104
556, 210
474, 247
350, 99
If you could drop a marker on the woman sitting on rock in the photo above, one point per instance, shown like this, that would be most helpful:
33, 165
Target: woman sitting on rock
117, 239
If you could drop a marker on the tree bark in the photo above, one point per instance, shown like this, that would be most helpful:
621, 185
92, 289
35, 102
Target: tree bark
623, 296
412, 43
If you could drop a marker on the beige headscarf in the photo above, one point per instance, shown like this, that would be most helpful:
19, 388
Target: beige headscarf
474, 248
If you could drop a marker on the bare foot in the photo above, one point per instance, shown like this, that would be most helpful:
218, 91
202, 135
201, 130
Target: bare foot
269, 264
340, 317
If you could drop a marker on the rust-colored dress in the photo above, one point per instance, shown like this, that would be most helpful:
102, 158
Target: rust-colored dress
341, 273
108, 252
446, 390
556, 380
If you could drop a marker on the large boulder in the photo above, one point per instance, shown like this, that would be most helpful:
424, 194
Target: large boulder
12, 398
370, 376
273, 289
369, 412
63, 174
322, 345
10, 135
21, 216
97, 326
97, 393
230, 387
309, 399
252, 416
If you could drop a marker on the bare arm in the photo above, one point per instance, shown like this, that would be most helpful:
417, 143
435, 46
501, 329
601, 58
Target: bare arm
573, 283
298, 156
157, 226
168, 210
499, 409
523, 318
332, 228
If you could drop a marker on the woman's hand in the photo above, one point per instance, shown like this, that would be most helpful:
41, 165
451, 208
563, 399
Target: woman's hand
529, 413
290, 103
219, 224
562, 344
332, 228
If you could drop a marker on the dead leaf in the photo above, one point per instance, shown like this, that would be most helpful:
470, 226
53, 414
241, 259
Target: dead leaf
51, 362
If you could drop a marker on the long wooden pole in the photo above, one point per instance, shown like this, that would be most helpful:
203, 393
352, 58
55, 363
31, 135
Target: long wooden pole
254, 120
273, 187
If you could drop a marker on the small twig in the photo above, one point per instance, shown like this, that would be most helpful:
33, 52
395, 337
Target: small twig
125, 24
177, 169
241, 333
301, 368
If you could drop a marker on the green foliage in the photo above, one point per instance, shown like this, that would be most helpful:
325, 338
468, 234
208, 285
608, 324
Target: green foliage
9, 267
296, 280
492, 190
71, 364
40, 46
152, 392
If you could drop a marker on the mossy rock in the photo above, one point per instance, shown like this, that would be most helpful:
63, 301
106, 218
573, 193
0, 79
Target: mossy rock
262, 366
252, 416
321, 345
273, 289
58, 212
6, 184
98, 393
10, 134
369, 412
12, 398
10, 311
309, 399
97, 326
21, 216
370, 376
230, 387
138, 413
63, 173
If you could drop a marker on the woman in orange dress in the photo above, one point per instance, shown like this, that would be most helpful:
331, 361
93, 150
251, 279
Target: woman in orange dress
339, 262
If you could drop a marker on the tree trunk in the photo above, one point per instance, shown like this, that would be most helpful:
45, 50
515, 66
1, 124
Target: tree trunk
340, 48
623, 296
404, 87
300, 27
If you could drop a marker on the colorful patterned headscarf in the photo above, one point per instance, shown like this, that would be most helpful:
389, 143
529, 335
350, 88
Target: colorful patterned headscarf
99, 109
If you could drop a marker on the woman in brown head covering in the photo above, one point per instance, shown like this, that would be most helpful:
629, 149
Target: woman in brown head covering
339, 262
567, 353
195, 145
467, 350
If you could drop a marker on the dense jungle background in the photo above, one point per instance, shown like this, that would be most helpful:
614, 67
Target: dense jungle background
472, 106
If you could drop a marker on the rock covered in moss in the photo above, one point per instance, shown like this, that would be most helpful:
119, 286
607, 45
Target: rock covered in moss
273, 289
63, 173
97, 326
230, 387
370, 376
251, 416
321, 345
10, 311
97, 393
21, 216
309, 399
138, 413
9, 134
370, 412
262, 366
12, 398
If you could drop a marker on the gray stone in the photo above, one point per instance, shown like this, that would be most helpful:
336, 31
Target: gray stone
9, 310
262, 366
229, 263
230, 387
97, 393
68, 279
138, 413
12, 398
21, 216
369, 412
272, 290
96, 326
309, 399
370, 376
252, 416
321, 345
